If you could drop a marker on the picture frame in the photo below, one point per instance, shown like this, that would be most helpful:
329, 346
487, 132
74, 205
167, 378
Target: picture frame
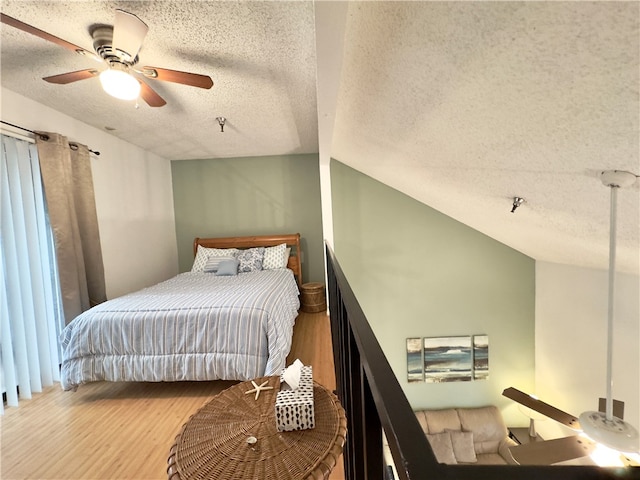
448, 359
456, 358
480, 357
415, 365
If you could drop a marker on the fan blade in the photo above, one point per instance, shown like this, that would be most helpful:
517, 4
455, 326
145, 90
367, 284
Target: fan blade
185, 78
542, 407
7, 20
552, 451
128, 33
150, 96
70, 77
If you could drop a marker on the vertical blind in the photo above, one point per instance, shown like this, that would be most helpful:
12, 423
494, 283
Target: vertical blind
30, 306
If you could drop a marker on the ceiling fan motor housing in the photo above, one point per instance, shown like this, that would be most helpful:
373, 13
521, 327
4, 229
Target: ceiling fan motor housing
614, 432
103, 45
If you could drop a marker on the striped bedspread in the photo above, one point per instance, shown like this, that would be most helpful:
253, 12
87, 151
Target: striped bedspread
195, 326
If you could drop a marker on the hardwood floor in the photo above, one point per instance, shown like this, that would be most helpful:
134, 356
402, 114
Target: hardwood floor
125, 430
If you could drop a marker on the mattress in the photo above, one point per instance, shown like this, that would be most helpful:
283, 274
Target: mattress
194, 326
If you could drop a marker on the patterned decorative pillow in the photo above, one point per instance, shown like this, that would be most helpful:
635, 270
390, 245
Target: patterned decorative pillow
250, 260
274, 257
203, 253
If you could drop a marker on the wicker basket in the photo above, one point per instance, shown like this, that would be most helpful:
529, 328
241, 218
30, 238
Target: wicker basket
312, 298
216, 442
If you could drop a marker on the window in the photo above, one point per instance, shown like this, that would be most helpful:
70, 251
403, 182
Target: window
30, 304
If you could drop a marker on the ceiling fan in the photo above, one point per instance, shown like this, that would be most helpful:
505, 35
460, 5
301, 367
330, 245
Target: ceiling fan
118, 47
583, 443
605, 426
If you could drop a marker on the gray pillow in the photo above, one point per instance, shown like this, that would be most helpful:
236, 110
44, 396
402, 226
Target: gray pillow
227, 268
214, 262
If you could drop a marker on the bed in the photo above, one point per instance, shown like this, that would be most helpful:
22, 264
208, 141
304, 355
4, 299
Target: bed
206, 324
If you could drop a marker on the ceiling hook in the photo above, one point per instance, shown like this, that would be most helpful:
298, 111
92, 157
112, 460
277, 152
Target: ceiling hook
517, 201
221, 122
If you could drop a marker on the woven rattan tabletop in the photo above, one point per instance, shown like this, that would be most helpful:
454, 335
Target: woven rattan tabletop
216, 442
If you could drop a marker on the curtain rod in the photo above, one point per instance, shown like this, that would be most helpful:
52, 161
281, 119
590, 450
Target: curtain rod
41, 135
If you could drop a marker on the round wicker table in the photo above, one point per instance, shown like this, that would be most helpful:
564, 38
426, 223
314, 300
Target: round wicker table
234, 436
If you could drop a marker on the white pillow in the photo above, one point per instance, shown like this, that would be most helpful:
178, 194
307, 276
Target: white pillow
203, 253
275, 257
463, 448
442, 447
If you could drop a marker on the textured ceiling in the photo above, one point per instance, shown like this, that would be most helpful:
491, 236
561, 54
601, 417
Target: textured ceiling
260, 55
461, 105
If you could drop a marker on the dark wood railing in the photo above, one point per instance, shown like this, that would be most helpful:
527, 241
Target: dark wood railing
374, 402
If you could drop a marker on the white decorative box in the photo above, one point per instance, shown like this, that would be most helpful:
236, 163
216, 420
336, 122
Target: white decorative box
294, 408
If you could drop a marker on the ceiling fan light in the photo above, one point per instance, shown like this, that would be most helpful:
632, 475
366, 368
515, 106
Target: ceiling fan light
615, 433
606, 457
120, 84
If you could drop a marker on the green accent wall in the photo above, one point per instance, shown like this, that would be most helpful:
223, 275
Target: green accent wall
419, 273
250, 196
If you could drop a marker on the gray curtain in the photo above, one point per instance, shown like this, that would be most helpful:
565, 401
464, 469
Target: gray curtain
68, 187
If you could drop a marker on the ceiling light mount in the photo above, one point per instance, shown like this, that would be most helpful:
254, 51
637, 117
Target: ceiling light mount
617, 178
517, 201
221, 122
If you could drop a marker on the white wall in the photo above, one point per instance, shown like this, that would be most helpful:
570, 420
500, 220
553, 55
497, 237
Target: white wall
571, 340
134, 197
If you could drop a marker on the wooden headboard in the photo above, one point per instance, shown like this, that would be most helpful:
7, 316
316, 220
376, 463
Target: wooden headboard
291, 239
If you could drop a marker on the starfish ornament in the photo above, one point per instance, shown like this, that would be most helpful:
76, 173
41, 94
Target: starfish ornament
258, 388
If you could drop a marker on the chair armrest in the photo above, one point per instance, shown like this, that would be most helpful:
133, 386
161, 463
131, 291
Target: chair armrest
503, 450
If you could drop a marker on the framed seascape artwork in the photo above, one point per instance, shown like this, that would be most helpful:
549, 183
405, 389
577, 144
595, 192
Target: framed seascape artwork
481, 357
448, 359
415, 372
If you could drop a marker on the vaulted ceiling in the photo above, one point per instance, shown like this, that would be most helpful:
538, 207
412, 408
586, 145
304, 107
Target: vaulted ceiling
460, 105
